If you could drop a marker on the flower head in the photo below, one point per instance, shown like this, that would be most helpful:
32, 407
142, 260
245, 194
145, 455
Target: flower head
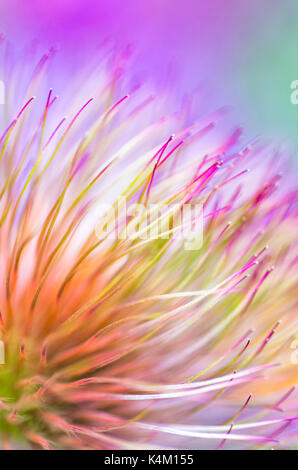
138, 342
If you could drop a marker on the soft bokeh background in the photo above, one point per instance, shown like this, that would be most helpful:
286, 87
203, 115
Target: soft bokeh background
239, 52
